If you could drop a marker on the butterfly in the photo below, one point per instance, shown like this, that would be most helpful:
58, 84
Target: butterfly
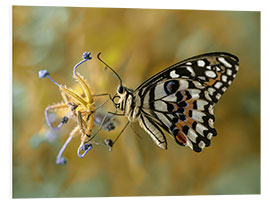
180, 99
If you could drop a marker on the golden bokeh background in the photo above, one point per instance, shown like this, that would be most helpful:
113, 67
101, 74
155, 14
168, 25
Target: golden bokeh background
137, 43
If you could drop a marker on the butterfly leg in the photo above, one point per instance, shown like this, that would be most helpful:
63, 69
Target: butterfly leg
106, 94
100, 127
86, 145
113, 142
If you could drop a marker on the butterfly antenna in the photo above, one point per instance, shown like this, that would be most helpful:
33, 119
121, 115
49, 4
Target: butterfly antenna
98, 56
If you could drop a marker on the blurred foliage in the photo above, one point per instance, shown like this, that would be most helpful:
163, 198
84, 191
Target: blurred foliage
137, 43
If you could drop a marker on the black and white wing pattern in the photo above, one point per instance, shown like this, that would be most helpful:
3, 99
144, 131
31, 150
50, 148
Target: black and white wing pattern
181, 99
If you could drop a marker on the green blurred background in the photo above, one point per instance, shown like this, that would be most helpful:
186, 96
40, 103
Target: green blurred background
137, 43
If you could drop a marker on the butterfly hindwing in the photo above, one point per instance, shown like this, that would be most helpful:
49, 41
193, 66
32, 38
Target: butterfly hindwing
183, 112
153, 130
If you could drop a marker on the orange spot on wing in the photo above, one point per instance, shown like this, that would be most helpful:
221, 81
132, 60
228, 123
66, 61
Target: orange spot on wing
212, 81
190, 104
179, 124
183, 92
189, 122
181, 137
175, 107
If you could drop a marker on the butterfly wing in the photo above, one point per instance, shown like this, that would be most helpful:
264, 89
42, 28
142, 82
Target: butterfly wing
195, 68
181, 98
151, 127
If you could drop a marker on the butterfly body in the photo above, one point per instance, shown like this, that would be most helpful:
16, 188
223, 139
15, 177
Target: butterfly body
181, 99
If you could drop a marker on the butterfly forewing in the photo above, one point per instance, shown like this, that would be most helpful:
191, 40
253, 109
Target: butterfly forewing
181, 98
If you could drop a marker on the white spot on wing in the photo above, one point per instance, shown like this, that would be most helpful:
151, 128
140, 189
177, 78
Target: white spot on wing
192, 135
218, 96
209, 136
200, 104
202, 77
211, 122
200, 128
211, 90
218, 85
206, 94
170, 98
224, 78
189, 144
197, 116
201, 63
211, 109
170, 116
229, 72
210, 74
160, 105
198, 84
191, 70
224, 89
163, 119
201, 144
173, 74
183, 84
159, 91
146, 100
194, 93
222, 60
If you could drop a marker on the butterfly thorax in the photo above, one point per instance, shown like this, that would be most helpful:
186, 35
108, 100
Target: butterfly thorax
129, 103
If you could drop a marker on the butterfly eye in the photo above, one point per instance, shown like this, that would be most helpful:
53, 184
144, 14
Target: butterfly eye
171, 86
116, 99
120, 89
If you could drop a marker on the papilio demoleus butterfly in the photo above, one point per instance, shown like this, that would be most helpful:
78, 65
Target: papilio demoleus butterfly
180, 99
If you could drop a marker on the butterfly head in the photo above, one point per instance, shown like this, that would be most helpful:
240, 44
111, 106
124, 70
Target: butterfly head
120, 90
119, 97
